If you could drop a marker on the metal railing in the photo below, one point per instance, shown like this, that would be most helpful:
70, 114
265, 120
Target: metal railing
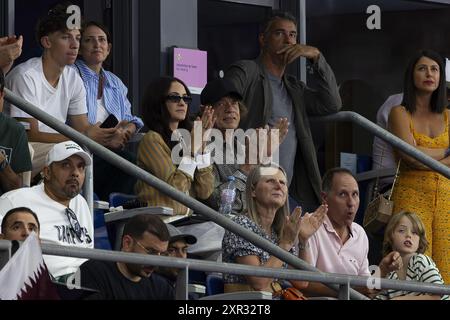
343, 281
204, 210
165, 188
349, 116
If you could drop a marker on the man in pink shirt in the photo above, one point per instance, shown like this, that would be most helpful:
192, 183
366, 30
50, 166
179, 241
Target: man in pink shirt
339, 245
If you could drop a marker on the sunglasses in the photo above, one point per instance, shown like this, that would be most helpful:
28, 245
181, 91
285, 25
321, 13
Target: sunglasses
177, 99
74, 223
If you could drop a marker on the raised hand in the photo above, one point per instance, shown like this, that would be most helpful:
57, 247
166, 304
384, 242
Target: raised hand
391, 262
294, 51
207, 122
310, 222
10, 50
291, 229
282, 125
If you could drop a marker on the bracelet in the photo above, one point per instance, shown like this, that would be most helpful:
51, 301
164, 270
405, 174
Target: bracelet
302, 246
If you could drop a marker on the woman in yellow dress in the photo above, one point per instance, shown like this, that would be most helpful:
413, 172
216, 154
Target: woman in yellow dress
423, 121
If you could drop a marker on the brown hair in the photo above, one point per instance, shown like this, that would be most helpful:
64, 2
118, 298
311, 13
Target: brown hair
417, 227
55, 20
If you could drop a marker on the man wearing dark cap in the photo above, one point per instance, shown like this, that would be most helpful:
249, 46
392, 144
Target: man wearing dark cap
178, 245
229, 110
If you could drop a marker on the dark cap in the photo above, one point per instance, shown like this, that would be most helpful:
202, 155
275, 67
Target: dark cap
176, 235
216, 90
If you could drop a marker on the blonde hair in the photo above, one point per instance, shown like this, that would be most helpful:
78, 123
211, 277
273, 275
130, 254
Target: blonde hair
252, 179
417, 227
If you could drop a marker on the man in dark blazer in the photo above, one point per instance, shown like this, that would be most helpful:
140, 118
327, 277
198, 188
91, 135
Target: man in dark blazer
269, 94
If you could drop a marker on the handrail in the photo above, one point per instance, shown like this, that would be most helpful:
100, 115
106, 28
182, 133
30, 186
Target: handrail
234, 268
385, 135
165, 188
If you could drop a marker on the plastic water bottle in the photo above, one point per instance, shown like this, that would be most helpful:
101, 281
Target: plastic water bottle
227, 197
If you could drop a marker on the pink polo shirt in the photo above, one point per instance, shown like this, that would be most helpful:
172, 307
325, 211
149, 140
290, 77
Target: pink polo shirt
329, 255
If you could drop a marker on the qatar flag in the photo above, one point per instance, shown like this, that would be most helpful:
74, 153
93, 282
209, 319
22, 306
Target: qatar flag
25, 276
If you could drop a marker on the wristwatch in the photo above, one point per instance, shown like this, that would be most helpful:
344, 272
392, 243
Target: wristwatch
3, 165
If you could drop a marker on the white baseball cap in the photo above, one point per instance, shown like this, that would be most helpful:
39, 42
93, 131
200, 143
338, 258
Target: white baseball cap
64, 150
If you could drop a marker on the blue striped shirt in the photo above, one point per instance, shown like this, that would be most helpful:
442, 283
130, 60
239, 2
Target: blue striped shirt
114, 95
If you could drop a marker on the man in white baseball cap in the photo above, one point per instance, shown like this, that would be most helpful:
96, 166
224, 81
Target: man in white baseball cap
63, 213
64, 150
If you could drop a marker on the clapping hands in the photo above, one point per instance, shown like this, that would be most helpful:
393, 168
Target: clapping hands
304, 227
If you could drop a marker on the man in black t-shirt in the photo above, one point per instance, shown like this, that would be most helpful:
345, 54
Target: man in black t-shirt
145, 234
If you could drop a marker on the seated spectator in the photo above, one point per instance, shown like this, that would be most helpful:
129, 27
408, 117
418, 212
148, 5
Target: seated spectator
229, 110
14, 154
10, 50
404, 245
144, 234
106, 95
178, 247
339, 245
18, 223
267, 216
50, 85
165, 109
63, 213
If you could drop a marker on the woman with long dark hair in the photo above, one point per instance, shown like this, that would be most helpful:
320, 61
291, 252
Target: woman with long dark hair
423, 121
165, 110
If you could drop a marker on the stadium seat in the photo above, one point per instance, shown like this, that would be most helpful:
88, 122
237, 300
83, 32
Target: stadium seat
117, 199
101, 239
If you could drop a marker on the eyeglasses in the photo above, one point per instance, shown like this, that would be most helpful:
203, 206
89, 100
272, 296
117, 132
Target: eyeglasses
177, 99
148, 251
74, 223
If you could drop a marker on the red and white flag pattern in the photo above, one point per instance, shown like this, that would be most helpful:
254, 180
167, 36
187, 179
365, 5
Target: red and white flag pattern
25, 276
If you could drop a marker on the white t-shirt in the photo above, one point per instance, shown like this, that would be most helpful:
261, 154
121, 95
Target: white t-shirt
28, 81
55, 225
102, 113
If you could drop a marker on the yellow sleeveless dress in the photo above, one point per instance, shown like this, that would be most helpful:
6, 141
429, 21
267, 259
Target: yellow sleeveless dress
427, 193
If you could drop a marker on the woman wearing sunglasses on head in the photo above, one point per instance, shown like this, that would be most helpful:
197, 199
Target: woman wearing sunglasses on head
165, 111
